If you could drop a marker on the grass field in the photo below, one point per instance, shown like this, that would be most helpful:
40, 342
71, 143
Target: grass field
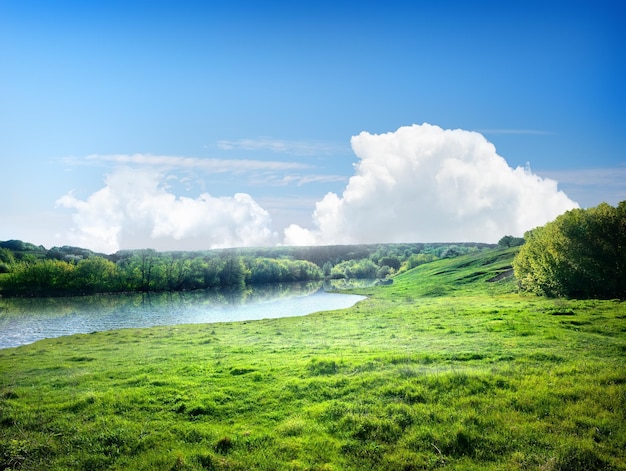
441, 369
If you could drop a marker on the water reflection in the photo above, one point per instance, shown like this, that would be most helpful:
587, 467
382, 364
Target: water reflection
349, 283
25, 321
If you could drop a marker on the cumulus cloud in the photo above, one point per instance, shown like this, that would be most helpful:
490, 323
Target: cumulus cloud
420, 183
424, 183
136, 209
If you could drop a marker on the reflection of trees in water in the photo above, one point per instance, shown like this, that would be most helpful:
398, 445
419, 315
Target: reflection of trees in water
177, 300
348, 283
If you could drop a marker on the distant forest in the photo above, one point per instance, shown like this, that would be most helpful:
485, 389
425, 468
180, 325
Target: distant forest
30, 270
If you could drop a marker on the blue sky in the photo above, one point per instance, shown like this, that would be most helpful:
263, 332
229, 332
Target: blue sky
125, 123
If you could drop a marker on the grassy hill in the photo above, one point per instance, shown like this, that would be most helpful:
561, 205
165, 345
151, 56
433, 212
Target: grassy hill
474, 273
441, 369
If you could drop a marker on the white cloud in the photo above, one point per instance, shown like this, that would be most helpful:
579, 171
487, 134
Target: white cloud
423, 183
135, 210
417, 184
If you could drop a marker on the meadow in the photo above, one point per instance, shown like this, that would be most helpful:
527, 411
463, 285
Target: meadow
446, 368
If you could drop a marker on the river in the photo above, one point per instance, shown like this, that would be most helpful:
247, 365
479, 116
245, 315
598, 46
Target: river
23, 321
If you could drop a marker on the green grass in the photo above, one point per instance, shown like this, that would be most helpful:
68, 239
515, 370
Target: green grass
441, 369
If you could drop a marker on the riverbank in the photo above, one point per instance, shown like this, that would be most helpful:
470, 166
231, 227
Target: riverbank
438, 369
26, 320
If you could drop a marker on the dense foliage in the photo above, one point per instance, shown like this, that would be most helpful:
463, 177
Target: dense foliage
147, 270
581, 254
29, 270
510, 241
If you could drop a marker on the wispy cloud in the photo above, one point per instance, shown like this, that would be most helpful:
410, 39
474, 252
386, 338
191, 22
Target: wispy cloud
299, 180
304, 179
536, 132
592, 186
611, 176
167, 162
303, 148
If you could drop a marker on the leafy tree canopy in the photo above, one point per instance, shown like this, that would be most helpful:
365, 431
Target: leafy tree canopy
581, 254
510, 241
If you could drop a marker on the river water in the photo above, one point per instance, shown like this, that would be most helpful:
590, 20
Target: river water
23, 321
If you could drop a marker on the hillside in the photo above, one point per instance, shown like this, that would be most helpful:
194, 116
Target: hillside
441, 369
488, 271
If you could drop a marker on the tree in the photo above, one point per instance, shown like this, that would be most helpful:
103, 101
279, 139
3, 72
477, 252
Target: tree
327, 268
390, 261
510, 241
419, 259
384, 271
40, 278
363, 268
580, 254
233, 273
6, 260
95, 275
146, 270
177, 270
6, 256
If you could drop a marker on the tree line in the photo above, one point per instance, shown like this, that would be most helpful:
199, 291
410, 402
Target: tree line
29, 270
147, 270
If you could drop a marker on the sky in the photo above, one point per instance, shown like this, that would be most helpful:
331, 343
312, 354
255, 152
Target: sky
196, 125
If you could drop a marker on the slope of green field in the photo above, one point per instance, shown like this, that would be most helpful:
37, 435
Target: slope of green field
441, 369
487, 272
